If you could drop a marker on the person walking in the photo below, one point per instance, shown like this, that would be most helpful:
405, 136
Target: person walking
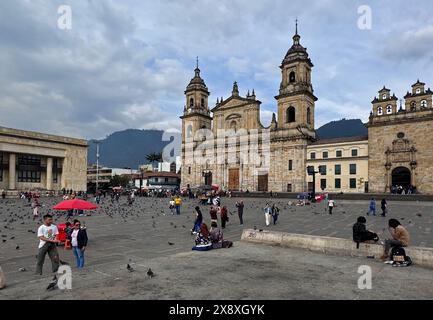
78, 238
48, 244
400, 237
177, 204
240, 206
268, 212
372, 208
384, 207
198, 220
275, 213
331, 205
224, 217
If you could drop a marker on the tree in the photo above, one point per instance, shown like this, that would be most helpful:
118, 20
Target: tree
119, 181
154, 157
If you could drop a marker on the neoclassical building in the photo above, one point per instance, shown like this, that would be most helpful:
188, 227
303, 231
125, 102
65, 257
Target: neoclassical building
228, 146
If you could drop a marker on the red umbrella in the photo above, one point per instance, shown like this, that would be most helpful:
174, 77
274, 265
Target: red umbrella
75, 204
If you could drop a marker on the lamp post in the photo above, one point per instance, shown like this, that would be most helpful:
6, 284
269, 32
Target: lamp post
97, 165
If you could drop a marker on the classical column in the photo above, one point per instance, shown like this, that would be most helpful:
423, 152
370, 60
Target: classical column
49, 173
12, 171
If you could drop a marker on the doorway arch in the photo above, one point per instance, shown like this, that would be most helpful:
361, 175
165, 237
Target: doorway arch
401, 176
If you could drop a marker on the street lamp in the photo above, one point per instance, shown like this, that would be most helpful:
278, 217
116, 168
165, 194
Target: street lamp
97, 165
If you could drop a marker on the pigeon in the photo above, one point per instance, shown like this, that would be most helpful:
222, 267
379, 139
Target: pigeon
150, 273
52, 284
22, 269
171, 243
255, 228
261, 230
419, 214
129, 268
17, 247
12, 238
4, 240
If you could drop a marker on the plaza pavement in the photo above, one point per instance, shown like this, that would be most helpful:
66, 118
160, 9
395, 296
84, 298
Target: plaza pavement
139, 235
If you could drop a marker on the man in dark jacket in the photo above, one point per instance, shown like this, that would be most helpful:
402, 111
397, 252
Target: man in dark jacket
240, 206
78, 238
360, 232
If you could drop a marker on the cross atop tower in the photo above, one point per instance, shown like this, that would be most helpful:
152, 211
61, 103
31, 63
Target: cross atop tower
296, 22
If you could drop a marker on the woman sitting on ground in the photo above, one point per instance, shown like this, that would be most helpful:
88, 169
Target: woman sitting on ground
400, 237
217, 239
203, 236
360, 232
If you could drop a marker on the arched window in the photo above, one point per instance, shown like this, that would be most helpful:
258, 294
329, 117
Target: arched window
189, 131
388, 109
191, 102
291, 115
379, 111
202, 102
413, 106
424, 104
292, 77
308, 115
233, 125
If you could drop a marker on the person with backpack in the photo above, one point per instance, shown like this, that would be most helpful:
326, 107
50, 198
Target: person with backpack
384, 207
360, 232
400, 237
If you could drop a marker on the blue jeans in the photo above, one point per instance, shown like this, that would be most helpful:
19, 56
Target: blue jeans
177, 209
79, 255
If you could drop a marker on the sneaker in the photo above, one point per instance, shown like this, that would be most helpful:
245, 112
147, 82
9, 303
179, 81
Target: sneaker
389, 262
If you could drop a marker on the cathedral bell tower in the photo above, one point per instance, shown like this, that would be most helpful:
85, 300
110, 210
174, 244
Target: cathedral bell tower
296, 98
196, 113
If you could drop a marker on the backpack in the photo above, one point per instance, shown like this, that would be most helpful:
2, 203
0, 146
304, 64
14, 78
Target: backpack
399, 257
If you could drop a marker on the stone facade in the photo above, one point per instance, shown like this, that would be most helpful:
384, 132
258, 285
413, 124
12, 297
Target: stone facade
234, 150
31, 160
400, 151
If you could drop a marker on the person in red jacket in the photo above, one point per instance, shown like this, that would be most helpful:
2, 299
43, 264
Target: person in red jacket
224, 217
213, 214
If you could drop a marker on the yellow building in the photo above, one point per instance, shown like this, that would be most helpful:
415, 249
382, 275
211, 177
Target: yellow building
39, 161
346, 162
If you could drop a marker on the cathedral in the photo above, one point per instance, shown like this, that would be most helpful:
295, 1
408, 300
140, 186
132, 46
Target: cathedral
255, 157
228, 146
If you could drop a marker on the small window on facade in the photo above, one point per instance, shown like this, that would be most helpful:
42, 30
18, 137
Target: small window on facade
291, 115
352, 183
325, 155
418, 91
202, 103
338, 169
379, 111
388, 109
323, 184
290, 165
323, 172
191, 102
189, 131
352, 168
424, 104
337, 183
338, 153
289, 187
308, 115
189, 170
312, 155
354, 152
384, 96
413, 106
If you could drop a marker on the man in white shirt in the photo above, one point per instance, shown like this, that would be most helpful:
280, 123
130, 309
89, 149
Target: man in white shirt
47, 234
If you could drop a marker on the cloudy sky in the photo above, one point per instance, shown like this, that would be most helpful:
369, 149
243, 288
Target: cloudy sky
125, 64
